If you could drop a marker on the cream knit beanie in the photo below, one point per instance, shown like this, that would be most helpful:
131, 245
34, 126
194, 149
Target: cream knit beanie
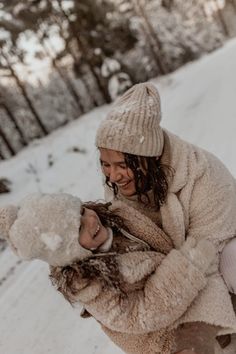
46, 227
133, 124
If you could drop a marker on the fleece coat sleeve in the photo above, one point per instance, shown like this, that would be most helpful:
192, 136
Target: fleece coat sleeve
166, 295
214, 221
213, 205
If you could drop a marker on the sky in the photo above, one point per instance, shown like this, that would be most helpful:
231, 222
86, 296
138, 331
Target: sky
198, 104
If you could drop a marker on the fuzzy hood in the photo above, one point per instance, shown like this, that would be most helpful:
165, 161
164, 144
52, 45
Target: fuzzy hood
45, 227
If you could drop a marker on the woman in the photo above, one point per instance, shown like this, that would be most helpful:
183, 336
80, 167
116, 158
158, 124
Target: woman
119, 277
185, 190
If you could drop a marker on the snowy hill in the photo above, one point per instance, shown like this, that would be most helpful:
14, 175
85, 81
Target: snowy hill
198, 104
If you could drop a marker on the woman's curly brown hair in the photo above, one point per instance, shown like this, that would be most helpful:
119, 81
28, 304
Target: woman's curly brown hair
149, 175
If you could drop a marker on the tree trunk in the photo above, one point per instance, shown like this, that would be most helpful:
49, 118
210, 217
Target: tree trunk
82, 47
6, 141
15, 123
202, 8
167, 4
64, 78
150, 33
231, 2
68, 49
25, 95
222, 20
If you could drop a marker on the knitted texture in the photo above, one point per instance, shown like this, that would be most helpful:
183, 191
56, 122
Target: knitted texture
45, 227
133, 124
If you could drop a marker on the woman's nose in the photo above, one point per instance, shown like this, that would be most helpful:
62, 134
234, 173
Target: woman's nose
114, 175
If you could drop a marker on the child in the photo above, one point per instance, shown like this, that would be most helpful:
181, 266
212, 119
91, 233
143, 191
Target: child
130, 281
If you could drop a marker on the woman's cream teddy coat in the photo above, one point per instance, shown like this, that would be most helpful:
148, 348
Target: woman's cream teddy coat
201, 205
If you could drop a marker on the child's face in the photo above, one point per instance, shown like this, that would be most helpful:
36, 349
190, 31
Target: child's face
92, 234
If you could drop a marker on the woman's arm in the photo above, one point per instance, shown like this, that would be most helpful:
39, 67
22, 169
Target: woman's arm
213, 205
166, 295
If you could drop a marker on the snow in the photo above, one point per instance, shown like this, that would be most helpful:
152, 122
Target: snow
109, 66
51, 240
126, 108
141, 139
198, 104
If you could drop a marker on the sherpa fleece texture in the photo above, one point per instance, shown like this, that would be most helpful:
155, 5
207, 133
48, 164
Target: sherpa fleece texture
144, 312
201, 203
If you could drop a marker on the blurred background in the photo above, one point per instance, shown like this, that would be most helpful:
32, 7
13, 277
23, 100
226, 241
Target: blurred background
61, 65
60, 59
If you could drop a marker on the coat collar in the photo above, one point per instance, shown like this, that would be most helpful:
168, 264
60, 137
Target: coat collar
176, 155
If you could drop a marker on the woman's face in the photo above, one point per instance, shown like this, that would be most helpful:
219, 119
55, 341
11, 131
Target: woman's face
92, 234
115, 169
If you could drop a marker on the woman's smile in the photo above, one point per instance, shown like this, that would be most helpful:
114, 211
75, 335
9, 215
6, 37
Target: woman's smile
115, 169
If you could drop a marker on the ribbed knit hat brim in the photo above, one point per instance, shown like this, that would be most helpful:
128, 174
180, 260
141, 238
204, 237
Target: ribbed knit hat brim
132, 126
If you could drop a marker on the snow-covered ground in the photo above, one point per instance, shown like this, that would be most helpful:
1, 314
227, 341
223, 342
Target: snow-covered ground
199, 104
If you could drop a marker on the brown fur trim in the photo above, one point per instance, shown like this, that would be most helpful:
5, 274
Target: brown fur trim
71, 279
104, 268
